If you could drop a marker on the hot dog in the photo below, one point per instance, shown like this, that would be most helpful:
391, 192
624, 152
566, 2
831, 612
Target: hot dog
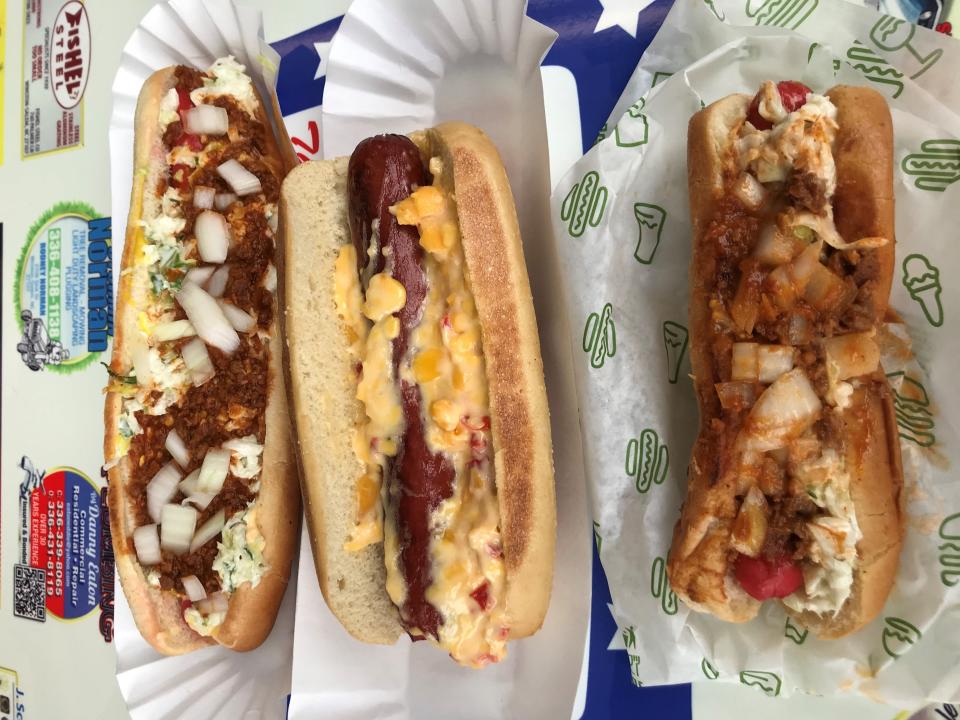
202, 487
795, 482
417, 393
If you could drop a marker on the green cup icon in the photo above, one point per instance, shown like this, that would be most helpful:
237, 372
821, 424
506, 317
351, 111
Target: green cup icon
891, 34
650, 219
660, 587
936, 167
898, 636
795, 632
709, 671
584, 205
781, 13
875, 68
647, 460
911, 408
635, 131
950, 550
675, 342
600, 336
767, 682
921, 278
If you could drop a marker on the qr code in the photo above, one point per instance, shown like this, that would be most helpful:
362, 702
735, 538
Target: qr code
29, 593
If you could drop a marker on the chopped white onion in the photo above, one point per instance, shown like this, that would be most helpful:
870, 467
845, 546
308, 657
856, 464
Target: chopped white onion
199, 500
773, 361
197, 360
273, 221
140, 357
177, 523
736, 395
203, 197
239, 178
224, 200
177, 448
209, 530
213, 236
199, 275
851, 355
188, 486
774, 247
161, 489
744, 363
207, 317
194, 588
241, 320
218, 283
750, 192
213, 472
783, 412
146, 540
217, 602
270, 278
206, 120
173, 330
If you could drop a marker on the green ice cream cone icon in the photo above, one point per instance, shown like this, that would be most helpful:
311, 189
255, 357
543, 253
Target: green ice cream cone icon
767, 682
633, 130
600, 336
936, 167
584, 205
950, 550
709, 671
650, 219
675, 342
647, 460
660, 587
911, 407
921, 278
898, 636
781, 13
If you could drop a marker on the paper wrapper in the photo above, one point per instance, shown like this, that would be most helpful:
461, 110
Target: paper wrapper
211, 683
621, 220
397, 67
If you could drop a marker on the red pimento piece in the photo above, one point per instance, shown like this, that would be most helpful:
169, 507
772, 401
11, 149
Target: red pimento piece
482, 595
185, 102
191, 141
471, 424
763, 579
793, 95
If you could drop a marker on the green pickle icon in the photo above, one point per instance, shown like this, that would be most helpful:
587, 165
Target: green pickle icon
875, 68
768, 682
584, 205
890, 34
660, 587
921, 278
709, 671
795, 632
781, 13
634, 132
950, 550
675, 342
600, 336
912, 410
650, 219
647, 460
898, 636
936, 167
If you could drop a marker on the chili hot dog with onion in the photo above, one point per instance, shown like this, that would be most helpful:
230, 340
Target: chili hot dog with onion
417, 390
202, 487
794, 486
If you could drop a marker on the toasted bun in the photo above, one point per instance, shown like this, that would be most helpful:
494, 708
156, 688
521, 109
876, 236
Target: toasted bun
698, 564
314, 217
158, 616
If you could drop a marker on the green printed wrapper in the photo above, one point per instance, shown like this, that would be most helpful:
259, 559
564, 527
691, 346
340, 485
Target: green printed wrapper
621, 222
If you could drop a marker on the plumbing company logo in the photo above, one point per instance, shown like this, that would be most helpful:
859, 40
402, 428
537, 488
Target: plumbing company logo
63, 289
59, 566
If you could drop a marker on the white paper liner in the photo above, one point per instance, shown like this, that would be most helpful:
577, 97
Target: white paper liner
641, 171
396, 67
212, 683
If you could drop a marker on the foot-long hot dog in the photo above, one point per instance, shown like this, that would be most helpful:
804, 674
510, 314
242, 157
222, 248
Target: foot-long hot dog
203, 494
417, 389
794, 487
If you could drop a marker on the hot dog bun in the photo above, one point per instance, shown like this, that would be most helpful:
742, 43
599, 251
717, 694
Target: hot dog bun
322, 375
701, 559
158, 613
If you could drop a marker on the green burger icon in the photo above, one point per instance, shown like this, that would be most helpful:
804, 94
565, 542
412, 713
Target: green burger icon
898, 636
647, 460
767, 682
584, 205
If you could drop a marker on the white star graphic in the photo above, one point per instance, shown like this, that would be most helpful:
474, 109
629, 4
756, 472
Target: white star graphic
323, 51
625, 13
